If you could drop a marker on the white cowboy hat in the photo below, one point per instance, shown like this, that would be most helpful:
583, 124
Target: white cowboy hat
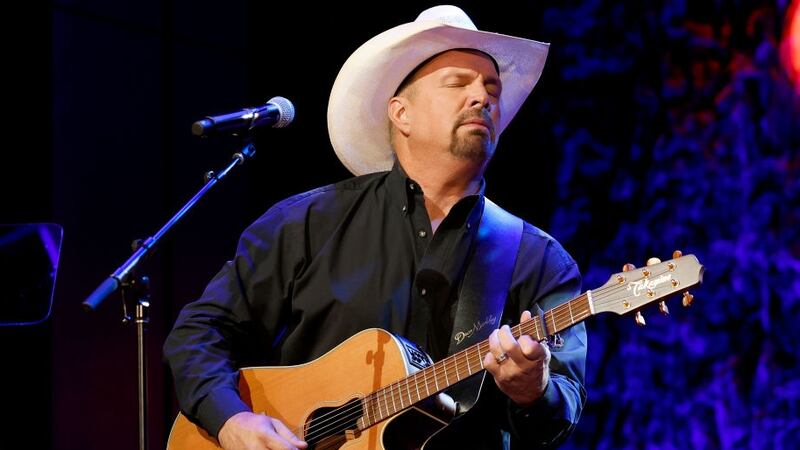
358, 123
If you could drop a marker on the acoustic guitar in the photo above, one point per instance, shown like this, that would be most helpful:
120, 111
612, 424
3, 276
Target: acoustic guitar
368, 392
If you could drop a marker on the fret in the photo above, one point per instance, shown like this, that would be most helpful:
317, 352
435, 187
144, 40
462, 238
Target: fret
368, 406
416, 385
435, 379
408, 390
375, 406
385, 403
571, 319
444, 366
469, 363
557, 323
365, 418
399, 387
400, 396
394, 407
427, 389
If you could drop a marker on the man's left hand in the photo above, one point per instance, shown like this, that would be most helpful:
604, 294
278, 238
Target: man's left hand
520, 367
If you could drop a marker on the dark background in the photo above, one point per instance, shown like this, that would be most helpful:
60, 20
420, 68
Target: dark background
654, 127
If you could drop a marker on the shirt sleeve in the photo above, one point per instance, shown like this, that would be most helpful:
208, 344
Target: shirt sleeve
233, 323
553, 417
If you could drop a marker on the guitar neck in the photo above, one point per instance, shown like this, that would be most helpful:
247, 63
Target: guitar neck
395, 397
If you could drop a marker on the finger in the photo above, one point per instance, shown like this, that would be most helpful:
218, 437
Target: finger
490, 364
509, 345
287, 434
652, 261
490, 359
627, 267
274, 441
534, 350
526, 316
494, 343
531, 349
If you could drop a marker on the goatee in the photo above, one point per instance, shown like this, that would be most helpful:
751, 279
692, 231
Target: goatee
474, 144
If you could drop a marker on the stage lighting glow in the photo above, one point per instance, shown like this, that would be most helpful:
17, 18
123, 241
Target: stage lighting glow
790, 48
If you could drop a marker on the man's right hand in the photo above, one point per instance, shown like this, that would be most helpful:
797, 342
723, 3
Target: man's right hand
250, 431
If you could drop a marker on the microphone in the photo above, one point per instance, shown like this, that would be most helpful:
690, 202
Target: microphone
278, 112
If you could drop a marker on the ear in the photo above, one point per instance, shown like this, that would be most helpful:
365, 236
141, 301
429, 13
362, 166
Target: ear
399, 114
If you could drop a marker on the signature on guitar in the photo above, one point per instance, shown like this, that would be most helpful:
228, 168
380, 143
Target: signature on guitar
477, 326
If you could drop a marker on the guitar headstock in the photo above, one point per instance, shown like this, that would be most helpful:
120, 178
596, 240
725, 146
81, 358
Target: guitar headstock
630, 290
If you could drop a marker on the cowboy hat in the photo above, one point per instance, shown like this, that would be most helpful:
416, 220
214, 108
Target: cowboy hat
358, 123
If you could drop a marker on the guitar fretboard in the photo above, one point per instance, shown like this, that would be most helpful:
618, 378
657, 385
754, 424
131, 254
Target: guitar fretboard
395, 397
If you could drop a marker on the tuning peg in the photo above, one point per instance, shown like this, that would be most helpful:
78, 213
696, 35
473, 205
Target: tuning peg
662, 306
639, 318
677, 254
628, 267
687, 299
651, 261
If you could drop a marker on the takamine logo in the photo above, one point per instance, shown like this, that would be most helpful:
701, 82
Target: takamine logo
638, 287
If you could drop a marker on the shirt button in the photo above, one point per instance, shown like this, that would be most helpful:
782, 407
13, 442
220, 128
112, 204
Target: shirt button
423, 292
422, 233
412, 186
405, 208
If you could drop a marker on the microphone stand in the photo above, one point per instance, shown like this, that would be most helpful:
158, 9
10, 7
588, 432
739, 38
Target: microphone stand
137, 287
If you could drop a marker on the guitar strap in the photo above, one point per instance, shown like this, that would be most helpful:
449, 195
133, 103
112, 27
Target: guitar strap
484, 289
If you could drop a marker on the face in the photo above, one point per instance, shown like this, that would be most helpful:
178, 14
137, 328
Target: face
452, 104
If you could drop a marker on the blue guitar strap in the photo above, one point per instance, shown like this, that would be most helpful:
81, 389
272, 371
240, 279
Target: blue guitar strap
484, 289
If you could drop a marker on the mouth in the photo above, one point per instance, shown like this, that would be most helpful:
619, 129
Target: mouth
476, 123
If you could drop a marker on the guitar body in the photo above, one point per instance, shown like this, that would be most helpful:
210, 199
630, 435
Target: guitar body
362, 364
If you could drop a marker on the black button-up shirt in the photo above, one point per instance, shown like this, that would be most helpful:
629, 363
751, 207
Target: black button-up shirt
323, 265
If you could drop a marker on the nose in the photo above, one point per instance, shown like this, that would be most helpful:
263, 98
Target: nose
478, 96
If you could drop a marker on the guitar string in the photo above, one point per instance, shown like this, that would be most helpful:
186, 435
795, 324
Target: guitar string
355, 410
394, 390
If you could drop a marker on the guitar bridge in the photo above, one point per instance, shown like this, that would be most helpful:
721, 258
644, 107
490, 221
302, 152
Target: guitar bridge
352, 434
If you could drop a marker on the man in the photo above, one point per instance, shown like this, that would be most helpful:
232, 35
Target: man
416, 112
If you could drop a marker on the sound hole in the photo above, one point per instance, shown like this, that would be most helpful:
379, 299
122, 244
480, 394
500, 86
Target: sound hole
326, 428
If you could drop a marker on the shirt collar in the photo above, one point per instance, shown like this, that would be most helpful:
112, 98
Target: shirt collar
403, 188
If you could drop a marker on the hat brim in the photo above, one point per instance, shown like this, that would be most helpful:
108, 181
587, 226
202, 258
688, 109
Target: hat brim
358, 122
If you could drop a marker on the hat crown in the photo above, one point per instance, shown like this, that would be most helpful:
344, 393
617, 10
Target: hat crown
447, 15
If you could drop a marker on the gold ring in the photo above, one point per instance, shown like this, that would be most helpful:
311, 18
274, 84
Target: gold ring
501, 358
